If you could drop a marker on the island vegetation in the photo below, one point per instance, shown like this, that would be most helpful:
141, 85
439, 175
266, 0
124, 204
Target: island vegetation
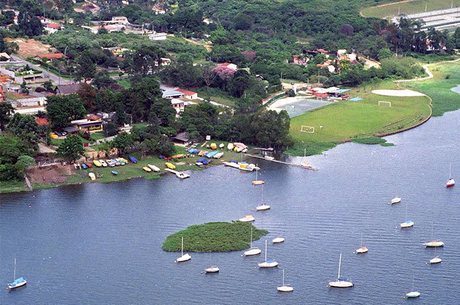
214, 237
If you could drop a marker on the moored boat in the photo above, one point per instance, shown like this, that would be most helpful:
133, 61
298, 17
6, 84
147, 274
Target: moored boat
407, 224
252, 251
434, 244
285, 287
18, 282
278, 240
340, 282
268, 263
212, 269
396, 200
362, 250
435, 260
183, 257
413, 294
247, 218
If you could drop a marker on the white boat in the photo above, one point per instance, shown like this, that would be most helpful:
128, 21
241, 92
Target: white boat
252, 251
408, 223
340, 282
153, 167
104, 164
434, 244
263, 206
257, 181
270, 158
395, 200
17, 282
268, 263
218, 155
285, 287
242, 166
451, 181
247, 218
92, 176
363, 249
212, 269
182, 175
435, 260
278, 240
413, 294
183, 257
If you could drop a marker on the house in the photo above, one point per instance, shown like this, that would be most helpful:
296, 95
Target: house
228, 66
188, 94
157, 36
50, 56
343, 55
170, 94
52, 27
300, 60
68, 89
87, 125
181, 138
71, 130
119, 20
42, 121
178, 104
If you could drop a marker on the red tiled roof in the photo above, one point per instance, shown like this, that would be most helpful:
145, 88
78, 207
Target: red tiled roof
41, 121
53, 26
186, 92
52, 55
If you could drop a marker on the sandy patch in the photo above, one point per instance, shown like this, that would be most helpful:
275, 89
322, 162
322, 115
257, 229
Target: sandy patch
31, 48
52, 174
397, 93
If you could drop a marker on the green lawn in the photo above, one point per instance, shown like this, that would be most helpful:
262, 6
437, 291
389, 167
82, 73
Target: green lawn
346, 120
445, 77
12, 186
217, 95
412, 7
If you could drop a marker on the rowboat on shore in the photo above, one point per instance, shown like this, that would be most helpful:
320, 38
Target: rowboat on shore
147, 169
170, 165
153, 167
92, 176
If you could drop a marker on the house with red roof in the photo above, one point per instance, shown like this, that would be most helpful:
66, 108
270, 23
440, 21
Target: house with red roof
52, 27
228, 66
50, 56
42, 121
188, 94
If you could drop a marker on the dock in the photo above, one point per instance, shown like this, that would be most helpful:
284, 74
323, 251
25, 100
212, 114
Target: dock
305, 165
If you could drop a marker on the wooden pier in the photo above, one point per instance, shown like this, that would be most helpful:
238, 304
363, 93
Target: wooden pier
301, 165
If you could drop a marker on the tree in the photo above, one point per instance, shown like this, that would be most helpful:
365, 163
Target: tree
48, 85
71, 149
86, 68
62, 109
102, 80
6, 110
11, 148
87, 94
25, 127
28, 23
23, 163
122, 142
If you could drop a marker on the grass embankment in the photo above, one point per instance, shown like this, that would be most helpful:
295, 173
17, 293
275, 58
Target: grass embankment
12, 187
409, 7
216, 95
345, 121
130, 170
446, 75
214, 237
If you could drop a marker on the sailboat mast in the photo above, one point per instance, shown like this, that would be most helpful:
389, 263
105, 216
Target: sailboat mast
250, 243
340, 263
182, 247
265, 250
14, 274
283, 277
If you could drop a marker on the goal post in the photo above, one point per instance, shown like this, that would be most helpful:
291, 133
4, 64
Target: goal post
384, 103
307, 129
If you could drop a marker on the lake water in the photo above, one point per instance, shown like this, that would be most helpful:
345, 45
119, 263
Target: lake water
101, 243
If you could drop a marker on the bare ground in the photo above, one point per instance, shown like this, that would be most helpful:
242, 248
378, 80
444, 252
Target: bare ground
31, 48
50, 174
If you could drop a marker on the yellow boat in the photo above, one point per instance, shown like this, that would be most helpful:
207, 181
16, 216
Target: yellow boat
97, 163
147, 169
170, 165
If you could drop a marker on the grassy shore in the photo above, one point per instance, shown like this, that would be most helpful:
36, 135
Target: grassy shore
345, 121
446, 75
409, 7
214, 237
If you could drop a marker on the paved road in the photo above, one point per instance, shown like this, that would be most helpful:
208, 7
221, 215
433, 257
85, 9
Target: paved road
56, 79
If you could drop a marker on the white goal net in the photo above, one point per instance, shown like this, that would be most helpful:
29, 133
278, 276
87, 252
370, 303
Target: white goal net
307, 129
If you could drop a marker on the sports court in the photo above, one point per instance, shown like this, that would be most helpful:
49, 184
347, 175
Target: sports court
297, 105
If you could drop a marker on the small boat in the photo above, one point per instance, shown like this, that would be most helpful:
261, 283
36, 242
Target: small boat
435, 260
278, 240
83, 165
88, 165
147, 169
115, 173
257, 181
202, 161
153, 167
340, 282
92, 176
170, 165
408, 223
395, 200
252, 251
132, 159
218, 156
182, 175
212, 269
434, 244
18, 282
268, 263
363, 249
103, 163
412, 294
183, 257
97, 163
247, 218
269, 158
285, 287
263, 206
451, 181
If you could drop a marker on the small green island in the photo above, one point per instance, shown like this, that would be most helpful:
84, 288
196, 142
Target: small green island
214, 237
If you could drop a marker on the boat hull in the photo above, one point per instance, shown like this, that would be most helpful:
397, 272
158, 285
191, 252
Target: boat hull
406, 225
15, 284
248, 218
341, 284
268, 265
263, 207
184, 258
413, 294
435, 260
285, 288
434, 244
362, 250
278, 240
252, 252
212, 270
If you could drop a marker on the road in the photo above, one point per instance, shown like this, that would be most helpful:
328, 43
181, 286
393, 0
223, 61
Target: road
53, 77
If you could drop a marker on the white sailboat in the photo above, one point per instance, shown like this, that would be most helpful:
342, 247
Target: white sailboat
247, 218
436, 259
362, 249
183, 257
433, 243
451, 181
270, 263
263, 206
408, 223
17, 282
413, 293
340, 282
285, 287
395, 200
252, 251
212, 269
278, 240
257, 181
